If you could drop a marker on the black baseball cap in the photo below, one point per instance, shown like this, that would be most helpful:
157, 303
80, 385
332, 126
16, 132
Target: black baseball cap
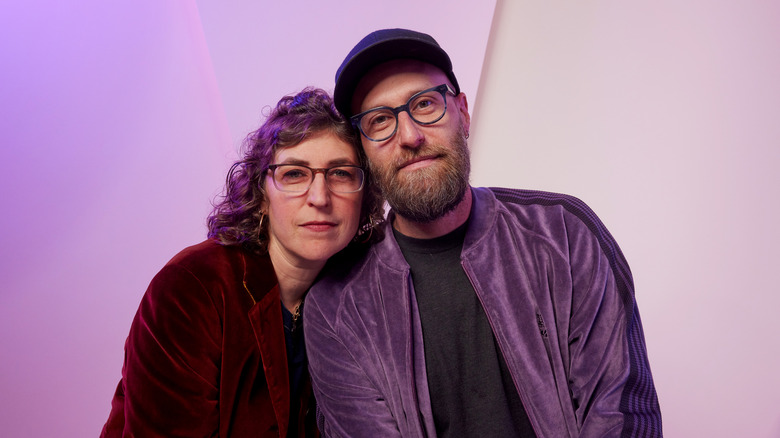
381, 46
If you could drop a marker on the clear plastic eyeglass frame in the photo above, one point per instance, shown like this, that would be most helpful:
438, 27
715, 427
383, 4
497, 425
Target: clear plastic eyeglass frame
353, 178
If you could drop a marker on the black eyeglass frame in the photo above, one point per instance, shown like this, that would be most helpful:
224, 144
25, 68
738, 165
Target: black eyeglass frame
443, 89
314, 171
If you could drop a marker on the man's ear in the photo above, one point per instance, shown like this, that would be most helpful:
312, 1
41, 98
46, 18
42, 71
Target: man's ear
463, 109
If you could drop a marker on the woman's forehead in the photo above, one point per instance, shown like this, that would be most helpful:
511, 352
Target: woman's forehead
321, 149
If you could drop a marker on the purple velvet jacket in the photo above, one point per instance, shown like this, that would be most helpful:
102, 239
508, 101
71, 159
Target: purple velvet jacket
558, 295
206, 353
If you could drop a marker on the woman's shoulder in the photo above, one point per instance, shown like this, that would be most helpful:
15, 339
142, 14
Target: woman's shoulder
214, 269
207, 261
211, 255
206, 250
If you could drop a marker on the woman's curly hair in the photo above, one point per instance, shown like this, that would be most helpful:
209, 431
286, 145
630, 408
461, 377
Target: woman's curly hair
236, 218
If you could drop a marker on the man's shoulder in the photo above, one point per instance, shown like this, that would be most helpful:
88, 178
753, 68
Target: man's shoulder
536, 197
354, 272
544, 203
551, 214
342, 269
564, 218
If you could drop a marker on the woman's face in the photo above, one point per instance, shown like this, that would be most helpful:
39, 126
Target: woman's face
306, 228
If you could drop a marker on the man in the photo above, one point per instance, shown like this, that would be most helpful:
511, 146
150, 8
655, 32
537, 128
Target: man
483, 312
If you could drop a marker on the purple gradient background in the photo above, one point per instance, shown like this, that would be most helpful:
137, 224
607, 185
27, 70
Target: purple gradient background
119, 120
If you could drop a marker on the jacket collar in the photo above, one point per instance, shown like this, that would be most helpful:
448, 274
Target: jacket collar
481, 218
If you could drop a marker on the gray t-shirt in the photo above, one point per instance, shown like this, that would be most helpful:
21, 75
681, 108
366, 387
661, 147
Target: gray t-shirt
472, 393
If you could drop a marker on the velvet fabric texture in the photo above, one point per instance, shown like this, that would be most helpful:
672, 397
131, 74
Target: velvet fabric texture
558, 295
206, 352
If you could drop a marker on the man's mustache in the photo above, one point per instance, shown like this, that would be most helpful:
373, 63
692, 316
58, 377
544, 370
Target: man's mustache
422, 151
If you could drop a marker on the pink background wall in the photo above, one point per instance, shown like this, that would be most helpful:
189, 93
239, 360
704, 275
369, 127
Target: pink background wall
664, 117
118, 121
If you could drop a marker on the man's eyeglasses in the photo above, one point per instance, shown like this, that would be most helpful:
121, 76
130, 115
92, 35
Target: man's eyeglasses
297, 178
425, 108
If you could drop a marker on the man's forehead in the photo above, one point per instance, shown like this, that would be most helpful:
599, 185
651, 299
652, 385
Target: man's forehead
396, 79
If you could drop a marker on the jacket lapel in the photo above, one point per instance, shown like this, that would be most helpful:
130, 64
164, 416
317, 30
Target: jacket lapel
266, 319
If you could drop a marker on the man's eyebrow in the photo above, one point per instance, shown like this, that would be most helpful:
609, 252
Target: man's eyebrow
408, 95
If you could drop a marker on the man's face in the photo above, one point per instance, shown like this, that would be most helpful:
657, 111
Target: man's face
423, 171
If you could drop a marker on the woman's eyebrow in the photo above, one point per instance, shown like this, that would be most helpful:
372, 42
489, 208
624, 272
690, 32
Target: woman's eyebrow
341, 162
335, 162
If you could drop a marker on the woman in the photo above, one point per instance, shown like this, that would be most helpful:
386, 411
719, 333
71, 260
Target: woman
216, 347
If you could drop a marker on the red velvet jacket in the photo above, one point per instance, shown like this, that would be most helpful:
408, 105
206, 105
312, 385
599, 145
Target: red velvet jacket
206, 352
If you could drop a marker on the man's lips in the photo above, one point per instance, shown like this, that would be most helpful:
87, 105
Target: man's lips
418, 162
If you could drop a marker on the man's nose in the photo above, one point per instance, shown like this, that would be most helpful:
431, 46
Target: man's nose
409, 133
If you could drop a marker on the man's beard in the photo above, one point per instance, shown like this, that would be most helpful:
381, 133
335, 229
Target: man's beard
426, 194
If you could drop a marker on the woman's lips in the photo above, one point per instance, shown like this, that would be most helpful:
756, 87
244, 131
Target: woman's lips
318, 226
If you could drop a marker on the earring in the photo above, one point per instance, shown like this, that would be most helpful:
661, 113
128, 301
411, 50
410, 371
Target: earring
358, 239
367, 227
260, 225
